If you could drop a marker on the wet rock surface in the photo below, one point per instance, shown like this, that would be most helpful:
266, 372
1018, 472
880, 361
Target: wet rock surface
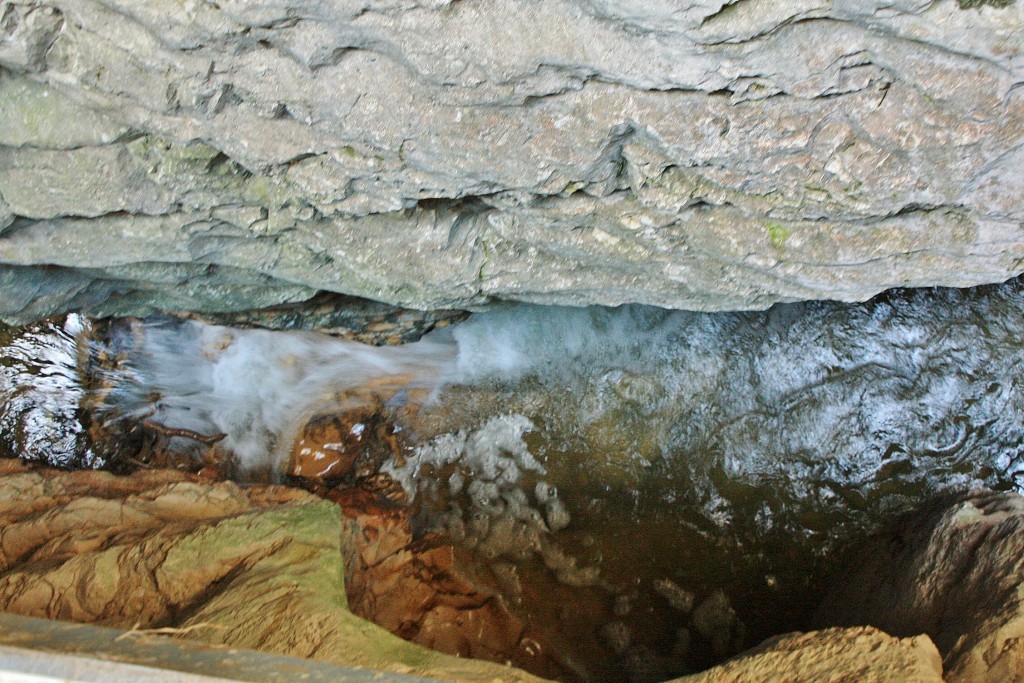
434, 594
342, 316
226, 157
261, 567
952, 571
345, 448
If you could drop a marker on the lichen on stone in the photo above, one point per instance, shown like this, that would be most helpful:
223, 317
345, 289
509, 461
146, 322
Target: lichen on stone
777, 235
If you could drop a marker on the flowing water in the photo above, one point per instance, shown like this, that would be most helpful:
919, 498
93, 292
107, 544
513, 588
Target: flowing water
659, 488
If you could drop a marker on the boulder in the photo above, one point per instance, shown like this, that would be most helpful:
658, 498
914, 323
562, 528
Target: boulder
219, 157
836, 655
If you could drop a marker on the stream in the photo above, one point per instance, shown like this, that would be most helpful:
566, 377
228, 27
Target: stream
658, 489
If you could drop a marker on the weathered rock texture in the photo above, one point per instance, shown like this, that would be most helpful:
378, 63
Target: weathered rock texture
433, 153
262, 568
257, 568
836, 655
349, 317
955, 572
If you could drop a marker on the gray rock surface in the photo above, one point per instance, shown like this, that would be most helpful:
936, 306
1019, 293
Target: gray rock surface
438, 153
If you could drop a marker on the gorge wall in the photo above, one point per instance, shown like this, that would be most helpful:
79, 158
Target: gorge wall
225, 156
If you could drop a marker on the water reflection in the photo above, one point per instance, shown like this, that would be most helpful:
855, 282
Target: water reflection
41, 393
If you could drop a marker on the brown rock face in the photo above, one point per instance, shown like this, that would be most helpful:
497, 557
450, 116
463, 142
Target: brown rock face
428, 592
352, 445
253, 567
953, 571
257, 567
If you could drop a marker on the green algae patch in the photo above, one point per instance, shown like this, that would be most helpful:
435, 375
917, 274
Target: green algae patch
777, 235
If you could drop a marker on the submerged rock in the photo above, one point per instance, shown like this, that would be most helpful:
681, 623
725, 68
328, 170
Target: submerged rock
345, 447
680, 599
715, 619
433, 593
234, 156
555, 514
617, 636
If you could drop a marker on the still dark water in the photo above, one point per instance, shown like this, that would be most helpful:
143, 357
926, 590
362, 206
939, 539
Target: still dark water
657, 489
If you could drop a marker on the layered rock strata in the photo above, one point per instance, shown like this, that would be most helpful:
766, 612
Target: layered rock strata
257, 568
228, 156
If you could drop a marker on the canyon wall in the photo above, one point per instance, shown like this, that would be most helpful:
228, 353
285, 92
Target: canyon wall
225, 156
261, 567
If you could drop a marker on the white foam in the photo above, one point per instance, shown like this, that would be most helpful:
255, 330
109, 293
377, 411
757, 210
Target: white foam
259, 387
495, 452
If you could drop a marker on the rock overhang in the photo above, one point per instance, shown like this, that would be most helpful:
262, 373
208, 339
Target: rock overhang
232, 156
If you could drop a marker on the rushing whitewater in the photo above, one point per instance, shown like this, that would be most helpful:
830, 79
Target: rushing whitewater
821, 400
257, 387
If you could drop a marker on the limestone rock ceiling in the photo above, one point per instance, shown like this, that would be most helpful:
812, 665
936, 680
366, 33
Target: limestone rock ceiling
218, 156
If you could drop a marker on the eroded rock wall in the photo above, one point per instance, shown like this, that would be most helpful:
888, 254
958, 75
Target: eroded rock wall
258, 567
722, 155
261, 567
952, 571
